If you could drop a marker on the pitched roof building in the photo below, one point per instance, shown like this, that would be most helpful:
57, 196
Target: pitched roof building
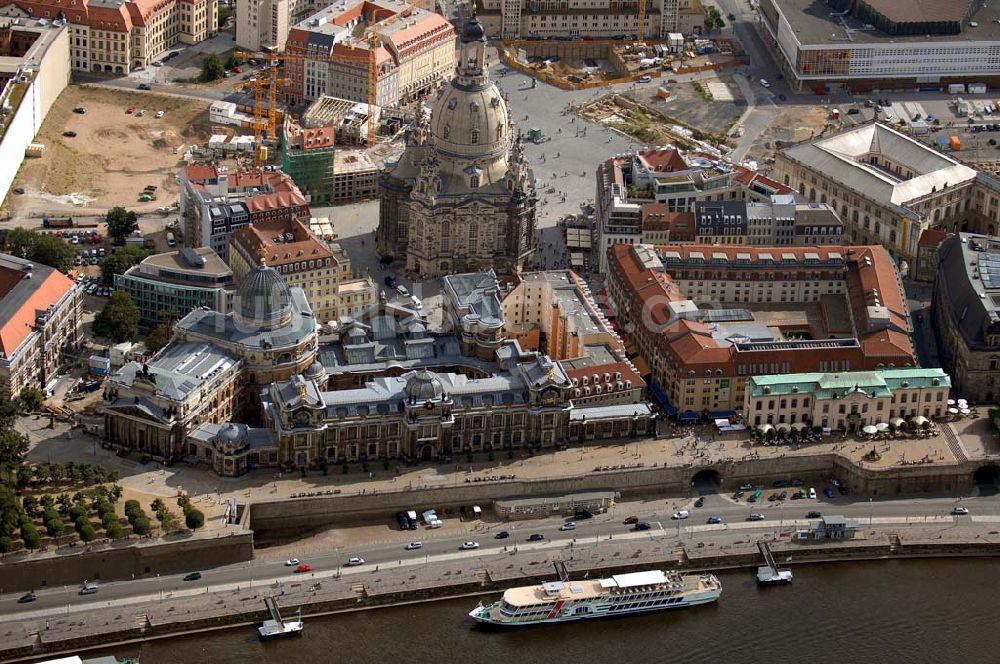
41, 314
689, 309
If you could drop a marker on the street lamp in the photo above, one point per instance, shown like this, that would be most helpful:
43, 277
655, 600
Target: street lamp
871, 512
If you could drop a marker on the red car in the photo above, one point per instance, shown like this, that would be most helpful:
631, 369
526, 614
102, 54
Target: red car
303, 568
130, 110
632, 519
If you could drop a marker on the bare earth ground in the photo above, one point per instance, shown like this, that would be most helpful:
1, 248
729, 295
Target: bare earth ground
113, 156
793, 124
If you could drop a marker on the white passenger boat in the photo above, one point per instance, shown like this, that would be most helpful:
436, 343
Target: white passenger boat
773, 577
619, 595
277, 627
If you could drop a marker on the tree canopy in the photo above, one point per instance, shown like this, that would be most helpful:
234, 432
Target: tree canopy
121, 222
119, 319
211, 69
120, 260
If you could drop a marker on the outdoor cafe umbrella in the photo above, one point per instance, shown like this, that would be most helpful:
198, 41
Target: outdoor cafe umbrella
869, 429
881, 426
897, 422
919, 420
953, 411
965, 411
951, 402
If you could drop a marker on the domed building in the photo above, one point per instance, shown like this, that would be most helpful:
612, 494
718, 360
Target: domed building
462, 197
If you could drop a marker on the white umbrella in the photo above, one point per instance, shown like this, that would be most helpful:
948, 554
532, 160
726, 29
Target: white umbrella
882, 426
962, 402
898, 422
869, 429
965, 411
953, 411
919, 420
951, 402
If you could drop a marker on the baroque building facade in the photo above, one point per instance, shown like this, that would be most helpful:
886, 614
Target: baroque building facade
462, 196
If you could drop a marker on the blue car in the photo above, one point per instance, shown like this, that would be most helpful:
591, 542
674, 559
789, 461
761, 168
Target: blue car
390, 282
715, 519
828, 492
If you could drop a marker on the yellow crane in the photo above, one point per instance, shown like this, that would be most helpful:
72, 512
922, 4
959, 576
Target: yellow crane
640, 29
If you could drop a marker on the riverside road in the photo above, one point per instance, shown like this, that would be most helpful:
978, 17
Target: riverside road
924, 512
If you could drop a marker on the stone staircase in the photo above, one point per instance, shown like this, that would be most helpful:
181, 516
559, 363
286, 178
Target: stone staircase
142, 622
954, 444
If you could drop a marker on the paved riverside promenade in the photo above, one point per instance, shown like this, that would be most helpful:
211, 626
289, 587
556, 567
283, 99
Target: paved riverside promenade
491, 570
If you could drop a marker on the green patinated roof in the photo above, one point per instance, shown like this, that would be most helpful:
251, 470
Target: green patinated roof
826, 385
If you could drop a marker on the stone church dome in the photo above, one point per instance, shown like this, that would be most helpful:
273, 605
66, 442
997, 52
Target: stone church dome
424, 386
263, 298
470, 120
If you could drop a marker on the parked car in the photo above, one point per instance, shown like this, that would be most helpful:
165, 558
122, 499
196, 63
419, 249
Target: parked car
960, 510
631, 519
389, 282
193, 576
828, 492
812, 493
536, 537
680, 514
583, 515
80, 110
27, 597
645, 79
503, 534
755, 516
401, 289
291, 562
145, 86
714, 519
780, 484
796, 482
69, 134
746, 487
470, 545
303, 568
813, 515
764, 83
642, 525
738, 495
700, 502
354, 562
159, 114
569, 525
88, 588
130, 110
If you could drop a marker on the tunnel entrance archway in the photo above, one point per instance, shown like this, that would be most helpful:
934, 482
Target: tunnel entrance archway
707, 481
987, 479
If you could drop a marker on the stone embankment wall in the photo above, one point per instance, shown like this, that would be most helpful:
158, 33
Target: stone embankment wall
288, 517
123, 561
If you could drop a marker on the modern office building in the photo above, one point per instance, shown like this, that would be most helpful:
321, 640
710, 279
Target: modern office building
595, 19
214, 203
867, 45
966, 314
415, 52
849, 400
706, 318
41, 315
889, 188
462, 196
167, 286
120, 36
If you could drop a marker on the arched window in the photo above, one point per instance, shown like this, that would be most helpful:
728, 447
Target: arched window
446, 131
475, 136
892, 237
445, 236
878, 228
473, 229
868, 223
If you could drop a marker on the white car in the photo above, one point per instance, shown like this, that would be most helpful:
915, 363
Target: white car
291, 562
960, 510
413, 546
159, 114
401, 289
764, 83
354, 562
467, 546
812, 494
569, 525
645, 79
681, 514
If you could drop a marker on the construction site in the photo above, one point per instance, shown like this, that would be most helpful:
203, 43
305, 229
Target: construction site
587, 64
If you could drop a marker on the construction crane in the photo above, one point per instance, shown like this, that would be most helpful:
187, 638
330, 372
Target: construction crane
640, 29
370, 59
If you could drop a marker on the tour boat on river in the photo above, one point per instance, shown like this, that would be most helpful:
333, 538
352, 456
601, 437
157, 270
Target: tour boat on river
619, 595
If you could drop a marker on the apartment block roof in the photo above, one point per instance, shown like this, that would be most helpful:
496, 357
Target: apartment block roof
877, 383
282, 243
27, 290
178, 370
969, 274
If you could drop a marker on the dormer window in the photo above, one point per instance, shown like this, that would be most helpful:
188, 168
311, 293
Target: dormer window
474, 107
474, 181
475, 136
447, 130
452, 103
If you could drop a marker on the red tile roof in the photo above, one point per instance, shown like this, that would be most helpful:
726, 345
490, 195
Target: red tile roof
667, 160
45, 292
200, 172
931, 238
304, 247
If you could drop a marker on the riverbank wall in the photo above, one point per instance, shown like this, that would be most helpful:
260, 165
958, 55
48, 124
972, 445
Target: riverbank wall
393, 585
280, 519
